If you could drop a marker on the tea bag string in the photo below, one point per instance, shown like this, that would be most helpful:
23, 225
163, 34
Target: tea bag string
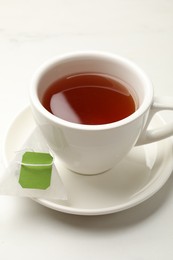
33, 164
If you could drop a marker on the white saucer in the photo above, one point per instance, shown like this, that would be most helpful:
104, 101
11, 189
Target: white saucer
140, 175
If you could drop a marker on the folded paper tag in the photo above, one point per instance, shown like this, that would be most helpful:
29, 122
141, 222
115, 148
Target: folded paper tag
32, 172
35, 171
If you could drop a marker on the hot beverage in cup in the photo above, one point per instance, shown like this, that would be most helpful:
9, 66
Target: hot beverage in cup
90, 99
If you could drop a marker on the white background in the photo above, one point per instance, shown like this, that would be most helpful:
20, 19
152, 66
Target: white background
34, 31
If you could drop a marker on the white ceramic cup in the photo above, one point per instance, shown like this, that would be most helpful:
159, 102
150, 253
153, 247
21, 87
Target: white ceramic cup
92, 149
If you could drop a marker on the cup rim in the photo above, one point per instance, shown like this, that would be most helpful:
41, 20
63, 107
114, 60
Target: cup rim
147, 102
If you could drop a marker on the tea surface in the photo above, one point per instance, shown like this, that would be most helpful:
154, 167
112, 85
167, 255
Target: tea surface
90, 99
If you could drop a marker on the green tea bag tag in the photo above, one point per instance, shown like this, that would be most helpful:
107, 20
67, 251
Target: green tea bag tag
35, 171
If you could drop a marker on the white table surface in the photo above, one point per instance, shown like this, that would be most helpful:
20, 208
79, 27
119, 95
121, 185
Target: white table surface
33, 31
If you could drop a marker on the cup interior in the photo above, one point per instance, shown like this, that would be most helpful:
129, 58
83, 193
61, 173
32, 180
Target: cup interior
95, 62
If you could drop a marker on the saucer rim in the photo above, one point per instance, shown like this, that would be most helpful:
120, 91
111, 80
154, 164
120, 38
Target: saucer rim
57, 206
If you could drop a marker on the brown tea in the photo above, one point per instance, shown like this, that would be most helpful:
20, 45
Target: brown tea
89, 98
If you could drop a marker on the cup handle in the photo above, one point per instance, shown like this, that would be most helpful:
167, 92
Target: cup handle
156, 134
